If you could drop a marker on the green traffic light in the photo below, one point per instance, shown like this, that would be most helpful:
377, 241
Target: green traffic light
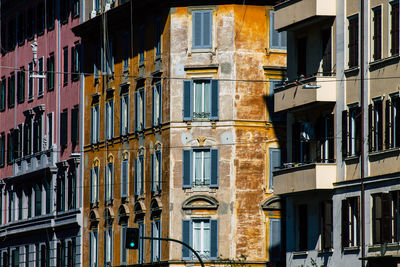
132, 244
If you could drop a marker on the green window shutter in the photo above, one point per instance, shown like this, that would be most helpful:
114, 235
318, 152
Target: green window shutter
214, 239
187, 168
187, 100
75, 125
64, 128
187, 239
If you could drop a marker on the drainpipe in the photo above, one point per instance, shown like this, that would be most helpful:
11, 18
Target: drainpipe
362, 165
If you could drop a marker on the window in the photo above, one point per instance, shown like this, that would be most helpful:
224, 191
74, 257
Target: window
2, 150
108, 247
353, 41
139, 175
273, 84
15, 257
302, 57
141, 44
326, 36
202, 235
38, 199
61, 253
140, 106
158, 33
5, 258
65, 60
44, 255
37, 133
157, 104
375, 119
11, 206
50, 72
324, 133
94, 185
275, 162
11, 90
156, 244
95, 126
64, 11
351, 131
125, 52
202, 28
49, 130
75, 8
110, 58
64, 128
386, 218
277, 40
124, 114
377, 33
302, 227
21, 28
96, 5
124, 178
351, 222
394, 27
30, 81
20, 208
30, 203
11, 34
75, 64
326, 225
40, 18
200, 99
10, 148
275, 233
28, 136
392, 122
75, 125
71, 252
109, 182
141, 242
124, 251
200, 167
21, 85
71, 189
109, 119
19, 140
40, 80
48, 188
3, 85
50, 8
27, 254
96, 63
61, 192
156, 171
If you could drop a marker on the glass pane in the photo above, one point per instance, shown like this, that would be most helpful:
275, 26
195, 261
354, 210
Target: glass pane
207, 99
197, 236
198, 168
207, 167
198, 98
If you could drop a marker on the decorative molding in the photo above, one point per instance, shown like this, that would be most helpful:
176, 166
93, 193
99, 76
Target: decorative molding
272, 203
210, 203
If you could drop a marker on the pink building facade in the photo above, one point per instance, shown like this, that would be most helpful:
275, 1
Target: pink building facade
40, 142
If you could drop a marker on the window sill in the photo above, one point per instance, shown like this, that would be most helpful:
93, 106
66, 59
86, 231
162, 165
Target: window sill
275, 51
325, 251
199, 50
352, 158
300, 254
383, 152
354, 249
382, 61
195, 189
352, 71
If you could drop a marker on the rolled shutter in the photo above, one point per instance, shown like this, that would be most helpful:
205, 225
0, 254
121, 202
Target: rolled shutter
187, 100
344, 133
388, 126
214, 239
370, 128
187, 168
214, 99
187, 239
214, 167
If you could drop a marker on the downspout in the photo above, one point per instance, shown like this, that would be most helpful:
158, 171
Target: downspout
362, 165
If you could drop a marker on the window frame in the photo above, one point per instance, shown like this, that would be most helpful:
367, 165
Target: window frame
31, 83
353, 41
156, 244
94, 185
157, 104
156, 171
282, 38
376, 33
351, 216
109, 119
11, 90
3, 94
95, 124
203, 44
93, 248
109, 181
394, 28
140, 109
124, 114
40, 80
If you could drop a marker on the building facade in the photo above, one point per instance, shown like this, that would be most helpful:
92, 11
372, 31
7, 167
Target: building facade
179, 131
40, 171
341, 103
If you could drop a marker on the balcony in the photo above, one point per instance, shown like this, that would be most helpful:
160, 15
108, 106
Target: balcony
313, 176
306, 91
293, 12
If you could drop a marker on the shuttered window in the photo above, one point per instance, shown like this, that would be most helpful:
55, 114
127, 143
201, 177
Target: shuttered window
351, 222
326, 225
157, 104
274, 163
202, 236
21, 85
156, 244
40, 80
202, 28
351, 131
65, 65
94, 185
277, 40
50, 72
64, 128
95, 124
275, 234
382, 218
93, 249
375, 117
156, 171
109, 181
30, 81
353, 41
271, 103
394, 27
108, 247
2, 150
200, 167
139, 175
393, 126
11, 90
3, 84
75, 125
377, 32
109, 119
75, 63
141, 242
124, 115
124, 178
140, 109
200, 100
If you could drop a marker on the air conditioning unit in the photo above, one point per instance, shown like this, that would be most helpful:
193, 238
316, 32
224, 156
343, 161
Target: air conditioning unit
93, 14
107, 7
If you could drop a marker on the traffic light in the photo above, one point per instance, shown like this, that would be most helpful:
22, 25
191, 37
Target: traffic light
132, 238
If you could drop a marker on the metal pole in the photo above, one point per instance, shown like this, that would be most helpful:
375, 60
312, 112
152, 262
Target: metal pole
177, 241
